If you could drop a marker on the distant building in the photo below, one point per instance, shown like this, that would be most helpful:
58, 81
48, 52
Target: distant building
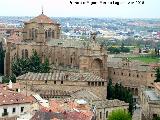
150, 101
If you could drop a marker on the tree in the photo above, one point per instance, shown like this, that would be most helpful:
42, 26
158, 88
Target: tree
119, 114
157, 75
156, 118
5, 79
20, 66
2, 55
35, 62
109, 89
45, 68
117, 91
32, 64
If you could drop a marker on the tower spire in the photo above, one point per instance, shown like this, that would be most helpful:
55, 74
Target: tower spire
42, 9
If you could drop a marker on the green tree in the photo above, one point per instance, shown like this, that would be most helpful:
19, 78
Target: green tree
109, 89
20, 66
117, 91
119, 114
35, 62
5, 79
45, 68
157, 75
156, 118
32, 64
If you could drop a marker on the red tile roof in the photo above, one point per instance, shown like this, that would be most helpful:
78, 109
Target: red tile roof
8, 97
42, 19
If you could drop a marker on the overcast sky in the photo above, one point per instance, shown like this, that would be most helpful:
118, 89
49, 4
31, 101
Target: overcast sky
63, 8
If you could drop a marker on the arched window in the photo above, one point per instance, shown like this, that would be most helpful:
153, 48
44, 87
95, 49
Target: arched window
52, 33
26, 53
30, 33
129, 74
33, 33
46, 34
49, 32
23, 54
36, 32
71, 60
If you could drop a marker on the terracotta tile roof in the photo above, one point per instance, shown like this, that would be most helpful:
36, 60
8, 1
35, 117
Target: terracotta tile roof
62, 109
84, 94
42, 19
8, 97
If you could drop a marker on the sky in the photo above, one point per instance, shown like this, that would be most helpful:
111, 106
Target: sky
63, 8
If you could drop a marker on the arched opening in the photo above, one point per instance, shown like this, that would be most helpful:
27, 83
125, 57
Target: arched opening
97, 67
36, 32
23, 54
46, 34
136, 91
49, 32
26, 53
33, 33
52, 33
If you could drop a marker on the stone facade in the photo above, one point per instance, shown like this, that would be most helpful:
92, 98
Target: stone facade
42, 35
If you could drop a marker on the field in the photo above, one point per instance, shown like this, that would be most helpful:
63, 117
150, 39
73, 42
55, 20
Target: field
146, 59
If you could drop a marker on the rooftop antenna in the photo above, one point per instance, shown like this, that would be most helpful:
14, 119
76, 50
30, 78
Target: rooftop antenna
42, 9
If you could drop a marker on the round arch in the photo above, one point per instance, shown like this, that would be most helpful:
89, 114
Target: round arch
97, 66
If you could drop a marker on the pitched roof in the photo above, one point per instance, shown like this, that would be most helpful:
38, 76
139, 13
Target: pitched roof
61, 75
8, 97
42, 19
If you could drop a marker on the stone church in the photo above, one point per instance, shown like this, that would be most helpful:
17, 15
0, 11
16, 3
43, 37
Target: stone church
43, 35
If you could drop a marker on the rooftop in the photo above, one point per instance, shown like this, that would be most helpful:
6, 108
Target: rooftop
64, 109
60, 75
151, 94
8, 97
110, 103
42, 19
84, 94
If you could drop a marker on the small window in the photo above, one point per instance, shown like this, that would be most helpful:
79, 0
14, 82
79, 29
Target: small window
61, 82
114, 73
122, 73
88, 83
5, 113
54, 82
46, 81
99, 83
22, 109
137, 76
92, 83
95, 83
129, 74
106, 114
16, 89
102, 83
100, 115
14, 110
151, 75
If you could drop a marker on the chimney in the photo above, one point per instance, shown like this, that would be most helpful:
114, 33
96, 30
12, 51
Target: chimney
10, 84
